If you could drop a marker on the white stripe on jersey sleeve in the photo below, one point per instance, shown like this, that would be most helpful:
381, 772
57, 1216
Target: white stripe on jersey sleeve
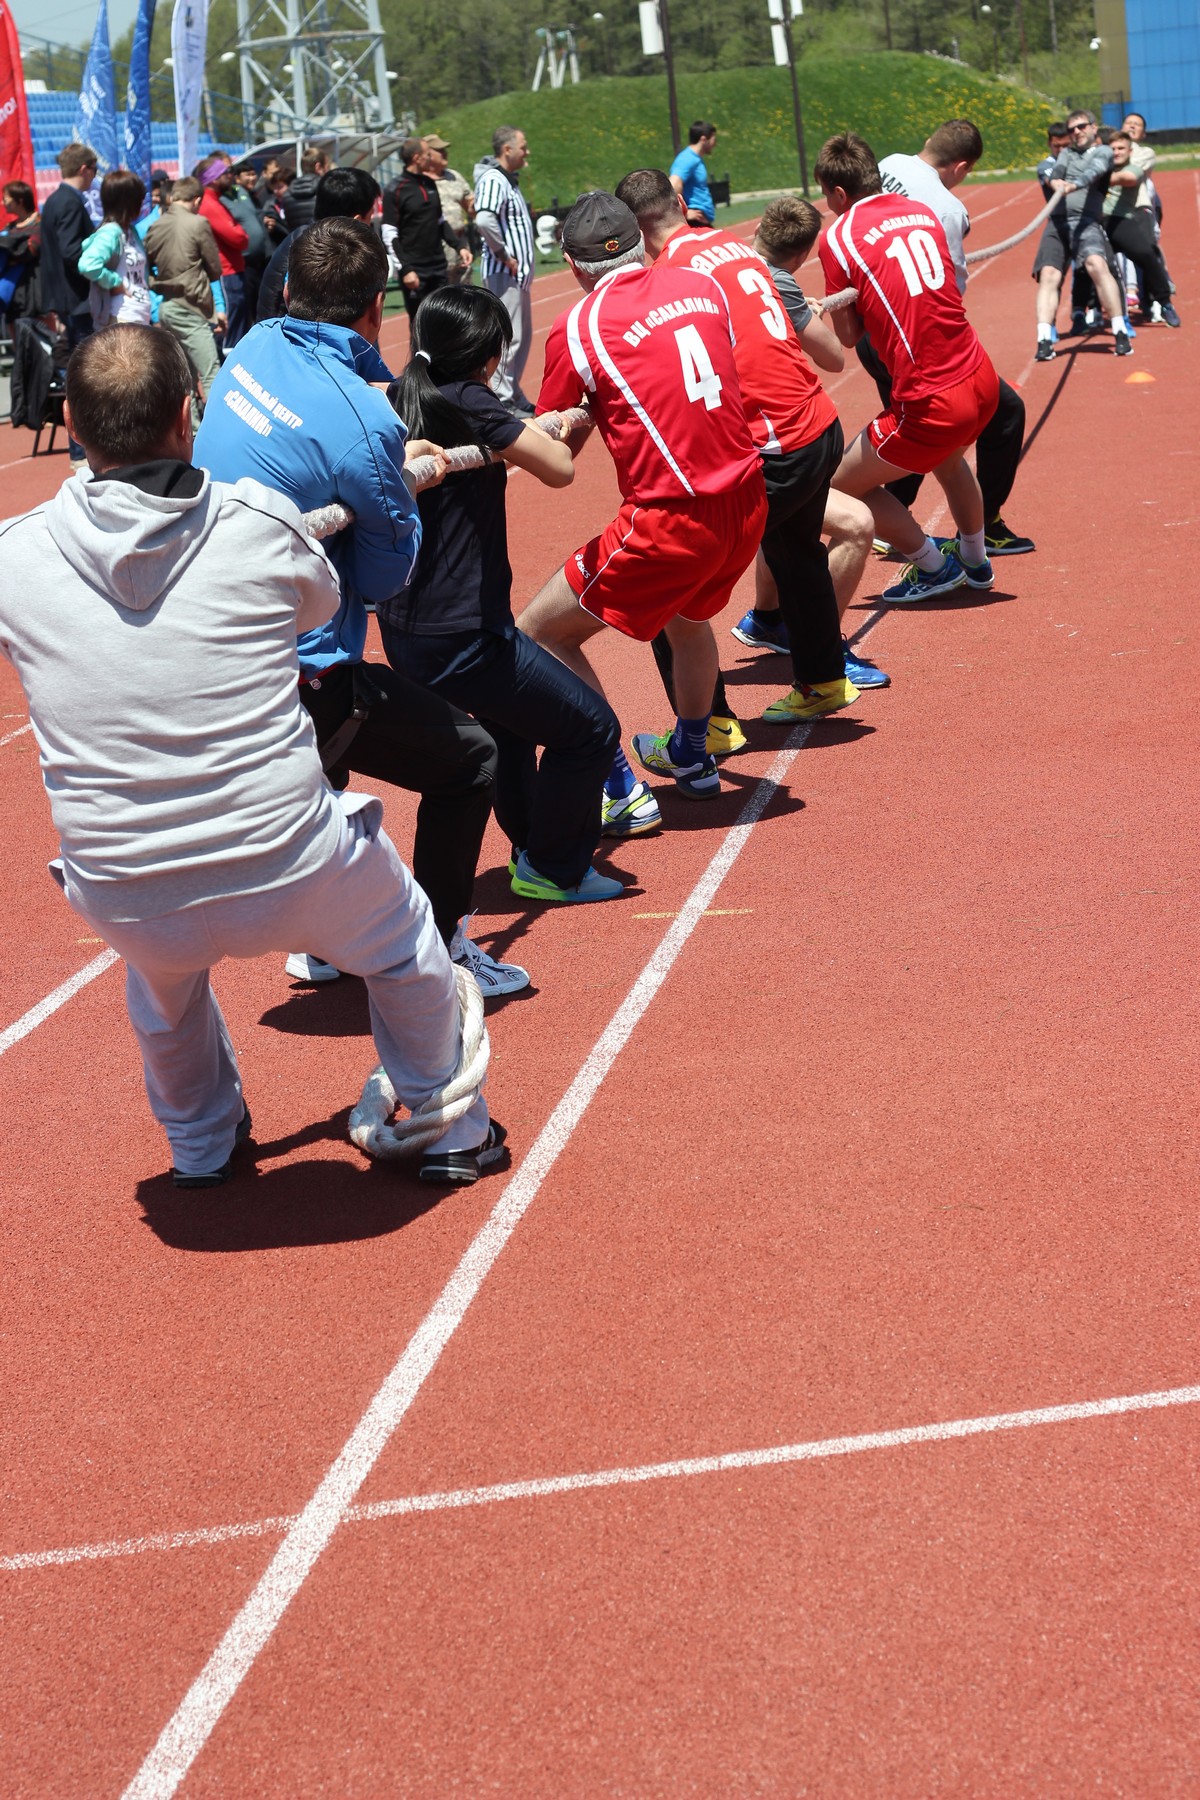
615, 376
579, 357
832, 239
854, 251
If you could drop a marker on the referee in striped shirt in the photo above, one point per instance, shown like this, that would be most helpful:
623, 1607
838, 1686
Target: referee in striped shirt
503, 221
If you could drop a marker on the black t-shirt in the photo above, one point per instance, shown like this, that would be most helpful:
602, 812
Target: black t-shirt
463, 581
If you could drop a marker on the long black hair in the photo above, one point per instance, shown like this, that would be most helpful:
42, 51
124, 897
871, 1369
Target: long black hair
456, 332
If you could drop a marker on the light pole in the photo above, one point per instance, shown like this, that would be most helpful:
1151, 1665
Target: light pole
598, 18
664, 13
785, 52
990, 12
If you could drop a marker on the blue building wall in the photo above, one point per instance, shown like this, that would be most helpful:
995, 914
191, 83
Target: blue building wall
1164, 62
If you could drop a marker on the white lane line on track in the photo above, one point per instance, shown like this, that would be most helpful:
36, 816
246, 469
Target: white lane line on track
775, 1456
19, 732
189, 1728
66, 990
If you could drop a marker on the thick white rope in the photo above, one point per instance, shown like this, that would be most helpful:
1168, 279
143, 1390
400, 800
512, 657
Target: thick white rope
325, 521
372, 1128
847, 296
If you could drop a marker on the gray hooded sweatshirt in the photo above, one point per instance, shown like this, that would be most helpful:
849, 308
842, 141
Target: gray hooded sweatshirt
155, 639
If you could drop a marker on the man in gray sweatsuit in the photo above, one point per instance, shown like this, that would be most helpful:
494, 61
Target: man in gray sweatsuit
1081, 173
152, 615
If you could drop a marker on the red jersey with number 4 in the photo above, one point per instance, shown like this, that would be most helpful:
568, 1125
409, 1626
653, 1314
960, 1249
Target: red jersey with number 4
894, 251
786, 406
651, 350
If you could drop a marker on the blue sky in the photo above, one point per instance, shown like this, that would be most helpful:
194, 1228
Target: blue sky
69, 21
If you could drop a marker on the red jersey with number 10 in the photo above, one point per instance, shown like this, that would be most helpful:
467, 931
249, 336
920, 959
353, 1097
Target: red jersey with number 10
651, 350
894, 251
786, 406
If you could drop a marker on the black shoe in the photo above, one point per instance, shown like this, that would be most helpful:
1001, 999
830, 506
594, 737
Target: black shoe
216, 1176
1170, 316
998, 540
459, 1168
521, 409
1121, 344
1045, 351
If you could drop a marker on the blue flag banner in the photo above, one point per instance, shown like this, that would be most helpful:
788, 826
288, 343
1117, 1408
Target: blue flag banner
137, 98
96, 113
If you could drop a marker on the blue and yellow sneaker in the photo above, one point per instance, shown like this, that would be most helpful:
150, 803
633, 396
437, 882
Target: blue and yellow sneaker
699, 781
979, 575
811, 702
531, 886
915, 584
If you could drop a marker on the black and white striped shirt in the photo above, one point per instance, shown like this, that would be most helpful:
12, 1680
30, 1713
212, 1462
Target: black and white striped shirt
496, 194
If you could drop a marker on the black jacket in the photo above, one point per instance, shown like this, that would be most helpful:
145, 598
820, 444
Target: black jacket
21, 249
65, 224
420, 228
300, 202
38, 373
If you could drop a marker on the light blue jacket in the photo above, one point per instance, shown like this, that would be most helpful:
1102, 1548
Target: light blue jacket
293, 407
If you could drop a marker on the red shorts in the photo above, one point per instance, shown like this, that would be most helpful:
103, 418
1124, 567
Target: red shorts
665, 559
917, 435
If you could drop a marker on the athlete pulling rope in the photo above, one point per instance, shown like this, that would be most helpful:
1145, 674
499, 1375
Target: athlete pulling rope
371, 1126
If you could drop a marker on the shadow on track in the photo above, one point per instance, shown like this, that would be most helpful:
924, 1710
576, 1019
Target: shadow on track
324, 1201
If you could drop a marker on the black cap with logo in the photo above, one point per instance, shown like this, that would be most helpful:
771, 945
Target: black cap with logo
598, 227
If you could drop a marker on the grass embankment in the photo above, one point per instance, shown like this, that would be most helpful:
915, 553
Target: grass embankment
589, 136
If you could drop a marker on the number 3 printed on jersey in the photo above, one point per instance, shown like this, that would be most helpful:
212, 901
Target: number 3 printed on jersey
920, 260
700, 379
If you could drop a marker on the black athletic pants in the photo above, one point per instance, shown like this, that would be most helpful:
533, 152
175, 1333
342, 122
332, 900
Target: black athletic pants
1132, 235
797, 489
526, 697
997, 452
418, 741
431, 280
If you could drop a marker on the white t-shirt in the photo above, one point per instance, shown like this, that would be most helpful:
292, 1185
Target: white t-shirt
915, 179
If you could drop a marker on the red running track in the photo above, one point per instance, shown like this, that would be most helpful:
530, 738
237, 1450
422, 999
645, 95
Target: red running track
904, 1137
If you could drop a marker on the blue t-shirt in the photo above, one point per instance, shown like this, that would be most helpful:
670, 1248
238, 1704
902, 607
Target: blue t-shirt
689, 168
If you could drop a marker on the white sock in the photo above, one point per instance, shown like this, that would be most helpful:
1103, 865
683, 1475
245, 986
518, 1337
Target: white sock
1117, 325
972, 547
930, 559
1044, 333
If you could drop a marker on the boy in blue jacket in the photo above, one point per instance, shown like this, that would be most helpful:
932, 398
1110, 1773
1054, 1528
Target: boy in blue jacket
294, 407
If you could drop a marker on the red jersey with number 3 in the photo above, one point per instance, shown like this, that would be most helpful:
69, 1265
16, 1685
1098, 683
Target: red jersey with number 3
786, 406
894, 251
651, 350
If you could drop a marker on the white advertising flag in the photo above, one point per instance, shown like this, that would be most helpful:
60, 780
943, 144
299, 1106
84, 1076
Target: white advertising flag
189, 36
652, 37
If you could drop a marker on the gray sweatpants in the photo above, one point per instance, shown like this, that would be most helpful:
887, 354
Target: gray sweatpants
362, 912
518, 304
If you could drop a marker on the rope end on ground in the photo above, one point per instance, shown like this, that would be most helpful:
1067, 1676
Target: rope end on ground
378, 1135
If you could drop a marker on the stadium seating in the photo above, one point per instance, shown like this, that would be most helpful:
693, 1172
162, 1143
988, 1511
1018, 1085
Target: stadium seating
51, 117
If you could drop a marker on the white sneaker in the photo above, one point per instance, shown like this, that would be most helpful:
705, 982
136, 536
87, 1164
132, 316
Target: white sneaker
632, 815
302, 967
496, 979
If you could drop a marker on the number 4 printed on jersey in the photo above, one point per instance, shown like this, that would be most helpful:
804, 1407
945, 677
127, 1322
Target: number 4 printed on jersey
920, 261
700, 379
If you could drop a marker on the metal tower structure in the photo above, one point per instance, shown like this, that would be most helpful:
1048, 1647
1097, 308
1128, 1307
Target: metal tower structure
312, 66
